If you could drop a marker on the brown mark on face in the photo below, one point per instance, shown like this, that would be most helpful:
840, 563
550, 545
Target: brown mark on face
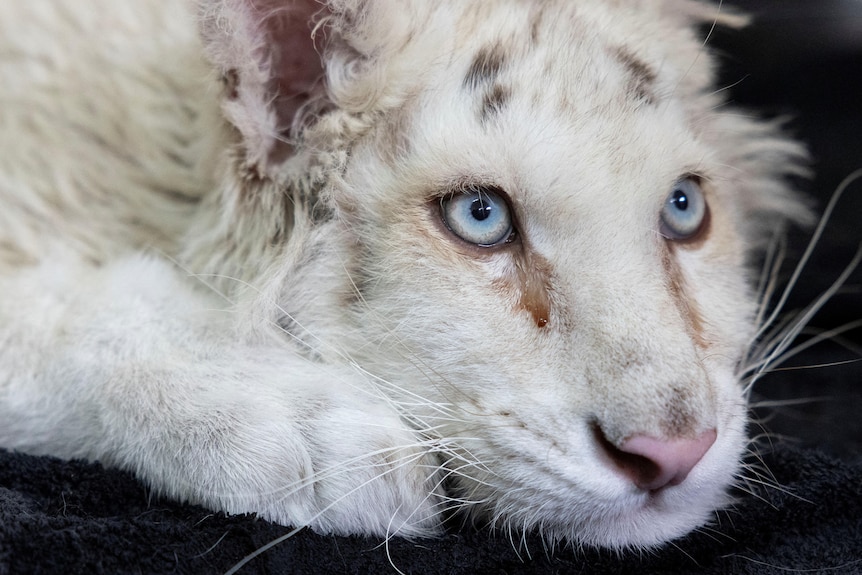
483, 79
530, 281
680, 421
642, 77
493, 100
536, 17
535, 284
485, 68
688, 308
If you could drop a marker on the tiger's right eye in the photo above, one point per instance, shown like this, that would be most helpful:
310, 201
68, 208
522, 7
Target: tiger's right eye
479, 216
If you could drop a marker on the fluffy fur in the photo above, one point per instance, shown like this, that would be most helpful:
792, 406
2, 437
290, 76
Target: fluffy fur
223, 266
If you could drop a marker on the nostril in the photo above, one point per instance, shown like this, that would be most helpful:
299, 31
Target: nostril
653, 464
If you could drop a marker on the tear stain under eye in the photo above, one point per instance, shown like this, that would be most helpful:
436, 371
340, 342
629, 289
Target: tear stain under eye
690, 313
534, 286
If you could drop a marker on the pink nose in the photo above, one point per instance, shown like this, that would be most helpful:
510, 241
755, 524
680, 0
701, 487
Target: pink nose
653, 464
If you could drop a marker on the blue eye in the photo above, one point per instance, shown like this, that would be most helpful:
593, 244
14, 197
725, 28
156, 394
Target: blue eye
479, 216
684, 211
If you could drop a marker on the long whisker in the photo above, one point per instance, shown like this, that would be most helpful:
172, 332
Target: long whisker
823, 336
777, 352
815, 239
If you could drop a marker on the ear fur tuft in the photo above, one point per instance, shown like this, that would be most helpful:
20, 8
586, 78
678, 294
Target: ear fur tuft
269, 59
719, 14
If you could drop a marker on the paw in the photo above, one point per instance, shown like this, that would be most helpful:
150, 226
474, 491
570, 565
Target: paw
338, 462
373, 474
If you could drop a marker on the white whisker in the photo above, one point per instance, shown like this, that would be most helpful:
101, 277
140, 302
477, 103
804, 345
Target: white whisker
815, 239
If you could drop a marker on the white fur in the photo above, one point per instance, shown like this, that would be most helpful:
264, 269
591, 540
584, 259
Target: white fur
181, 301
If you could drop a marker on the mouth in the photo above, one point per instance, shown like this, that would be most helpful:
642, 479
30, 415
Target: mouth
594, 504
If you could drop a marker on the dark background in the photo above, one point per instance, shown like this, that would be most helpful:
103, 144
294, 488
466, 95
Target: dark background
802, 59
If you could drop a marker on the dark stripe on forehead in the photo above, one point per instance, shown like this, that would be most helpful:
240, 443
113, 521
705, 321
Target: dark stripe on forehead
642, 78
493, 100
536, 17
483, 80
486, 67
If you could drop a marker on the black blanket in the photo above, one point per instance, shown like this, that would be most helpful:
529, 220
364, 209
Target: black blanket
75, 517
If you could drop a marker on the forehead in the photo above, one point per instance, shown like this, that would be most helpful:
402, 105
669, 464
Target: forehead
649, 47
537, 97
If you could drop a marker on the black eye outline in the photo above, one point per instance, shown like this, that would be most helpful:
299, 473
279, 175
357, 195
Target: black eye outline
474, 204
685, 213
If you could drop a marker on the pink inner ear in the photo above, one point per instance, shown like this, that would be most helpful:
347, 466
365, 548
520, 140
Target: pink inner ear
294, 55
291, 59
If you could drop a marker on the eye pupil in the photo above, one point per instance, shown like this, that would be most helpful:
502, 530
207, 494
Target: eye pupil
680, 200
480, 211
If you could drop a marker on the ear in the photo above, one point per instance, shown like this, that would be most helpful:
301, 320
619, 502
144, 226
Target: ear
268, 56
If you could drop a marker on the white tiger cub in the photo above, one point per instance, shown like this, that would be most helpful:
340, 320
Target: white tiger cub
350, 264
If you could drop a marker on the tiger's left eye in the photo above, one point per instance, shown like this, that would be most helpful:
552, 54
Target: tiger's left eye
684, 211
479, 216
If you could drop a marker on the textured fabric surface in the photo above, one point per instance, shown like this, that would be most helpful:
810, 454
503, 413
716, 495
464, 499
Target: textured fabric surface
75, 517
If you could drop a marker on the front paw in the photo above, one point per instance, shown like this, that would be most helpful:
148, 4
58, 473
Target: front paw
345, 466
373, 475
